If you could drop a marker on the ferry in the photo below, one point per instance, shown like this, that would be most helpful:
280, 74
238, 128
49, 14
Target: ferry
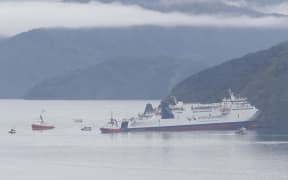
231, 113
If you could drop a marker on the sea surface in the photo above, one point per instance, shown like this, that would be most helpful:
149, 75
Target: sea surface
69, 153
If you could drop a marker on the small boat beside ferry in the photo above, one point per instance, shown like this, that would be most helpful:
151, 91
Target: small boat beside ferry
231, 113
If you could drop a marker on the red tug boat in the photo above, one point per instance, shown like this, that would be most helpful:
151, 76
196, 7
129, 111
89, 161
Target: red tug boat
41, 125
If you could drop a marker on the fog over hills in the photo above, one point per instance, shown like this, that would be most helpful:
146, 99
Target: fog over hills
236, 7
29, 58
260, 76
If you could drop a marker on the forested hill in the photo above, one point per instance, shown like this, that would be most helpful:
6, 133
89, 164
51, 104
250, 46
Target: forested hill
261, 76
125, 78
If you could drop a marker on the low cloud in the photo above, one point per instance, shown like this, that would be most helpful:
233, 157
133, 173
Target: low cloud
281, 8
16, 17
237, 3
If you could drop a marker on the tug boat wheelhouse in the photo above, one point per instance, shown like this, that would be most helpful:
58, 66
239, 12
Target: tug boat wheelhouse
230, 114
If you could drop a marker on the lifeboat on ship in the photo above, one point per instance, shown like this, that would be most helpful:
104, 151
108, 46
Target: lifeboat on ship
225, 110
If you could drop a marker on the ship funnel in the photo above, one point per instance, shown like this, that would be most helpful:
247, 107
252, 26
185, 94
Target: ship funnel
166, 112
148, 109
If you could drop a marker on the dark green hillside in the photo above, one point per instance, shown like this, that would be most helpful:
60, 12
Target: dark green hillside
261, 76
126, 78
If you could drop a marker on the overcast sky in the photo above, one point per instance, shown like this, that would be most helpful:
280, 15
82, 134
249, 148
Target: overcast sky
18, 16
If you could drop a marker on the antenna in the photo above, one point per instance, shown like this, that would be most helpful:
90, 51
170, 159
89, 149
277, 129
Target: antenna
231, 94
41, 117
111, 115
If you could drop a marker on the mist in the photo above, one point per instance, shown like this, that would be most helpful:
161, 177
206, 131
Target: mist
17, 17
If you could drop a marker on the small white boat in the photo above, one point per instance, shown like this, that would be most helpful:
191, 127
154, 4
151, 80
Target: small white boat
12, 131
86, 128
241, 131
78, 120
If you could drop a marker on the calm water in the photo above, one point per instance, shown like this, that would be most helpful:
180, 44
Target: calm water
68, 153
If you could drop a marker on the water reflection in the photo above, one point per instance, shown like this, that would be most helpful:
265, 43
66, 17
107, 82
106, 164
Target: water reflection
272, 136
68, 153
166, 136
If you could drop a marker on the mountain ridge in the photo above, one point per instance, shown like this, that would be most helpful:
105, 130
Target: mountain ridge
127, 78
